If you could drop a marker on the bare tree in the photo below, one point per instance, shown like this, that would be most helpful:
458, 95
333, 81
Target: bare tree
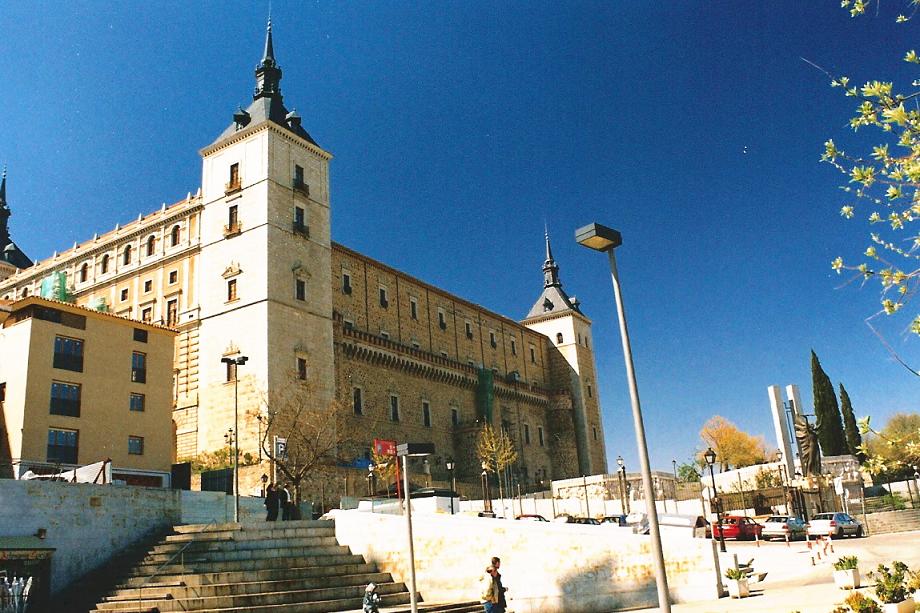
495, 450
318, 436
384, 468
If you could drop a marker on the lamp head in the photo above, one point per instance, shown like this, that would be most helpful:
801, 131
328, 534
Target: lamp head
598, 237
710, 456
620, 461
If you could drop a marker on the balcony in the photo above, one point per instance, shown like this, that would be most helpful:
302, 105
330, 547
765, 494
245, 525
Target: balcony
300, 186
68, 361
233, 186
232, 229
301, 228
139, 375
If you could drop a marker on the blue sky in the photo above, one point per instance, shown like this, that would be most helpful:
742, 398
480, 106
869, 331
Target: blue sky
459, 128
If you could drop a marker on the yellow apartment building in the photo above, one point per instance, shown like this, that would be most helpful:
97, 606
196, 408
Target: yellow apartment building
79, 386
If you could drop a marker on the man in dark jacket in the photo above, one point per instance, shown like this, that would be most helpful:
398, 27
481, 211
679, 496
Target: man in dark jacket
284, 497
271, 502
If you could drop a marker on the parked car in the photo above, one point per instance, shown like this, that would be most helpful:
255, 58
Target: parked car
614, 520
783, 527
834, 525
590, 521
531, 518
737, 527
694, 524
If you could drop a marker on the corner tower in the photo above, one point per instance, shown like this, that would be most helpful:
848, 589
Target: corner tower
265, 269
11, 257
559, 318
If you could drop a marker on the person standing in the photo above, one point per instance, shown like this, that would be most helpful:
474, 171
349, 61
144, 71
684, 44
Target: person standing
284, 498
271, 502
500, 589
489, 591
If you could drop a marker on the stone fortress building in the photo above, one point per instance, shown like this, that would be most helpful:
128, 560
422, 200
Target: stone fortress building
246, 266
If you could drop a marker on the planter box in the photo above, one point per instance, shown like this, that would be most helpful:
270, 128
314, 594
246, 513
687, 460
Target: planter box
846, 579
738, 588
906, 606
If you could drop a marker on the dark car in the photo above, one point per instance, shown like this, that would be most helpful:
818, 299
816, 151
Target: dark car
589, 521
738, 528
616, 520
531, 518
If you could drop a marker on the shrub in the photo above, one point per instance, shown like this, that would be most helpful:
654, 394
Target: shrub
846, 563
734, 573
860, 604
891, 584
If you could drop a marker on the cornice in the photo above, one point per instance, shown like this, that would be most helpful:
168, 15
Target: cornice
260, 127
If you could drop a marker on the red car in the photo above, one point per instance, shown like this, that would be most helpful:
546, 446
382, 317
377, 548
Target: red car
737, 527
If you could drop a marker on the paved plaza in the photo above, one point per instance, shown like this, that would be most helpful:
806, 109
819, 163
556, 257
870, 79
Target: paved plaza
793, 584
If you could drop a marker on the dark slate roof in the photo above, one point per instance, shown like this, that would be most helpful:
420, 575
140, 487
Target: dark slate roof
553, 299
9, 252
12, 254
269, 109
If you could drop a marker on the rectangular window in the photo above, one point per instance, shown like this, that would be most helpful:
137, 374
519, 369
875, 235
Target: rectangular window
416, 345
148, 286
346, 283
140, 335
172, 312
139, 367
173, 276
348, 324
137, 403
299, 216
384, 334
124, 295
595, 432
526, 434
62, 446
231, 290
302, 369
426, 413
383, 298
492, 340
357, 402
2, 393
68, 353
533, 355
513, 347
442, 319
454, 416
65, 319
413, 308
234, 176
231, 371
233, 218
298, 177
394, 408
135, 445
300, 289
590, 391
469, 330
147, 315
65, 399
540, 436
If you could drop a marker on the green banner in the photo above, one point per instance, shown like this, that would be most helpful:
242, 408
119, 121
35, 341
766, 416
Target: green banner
485, 394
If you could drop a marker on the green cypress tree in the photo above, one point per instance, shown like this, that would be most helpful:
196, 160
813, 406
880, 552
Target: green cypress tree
854, 440
829, 425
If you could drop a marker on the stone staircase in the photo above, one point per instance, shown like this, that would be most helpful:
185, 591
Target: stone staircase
893, 521
281, 567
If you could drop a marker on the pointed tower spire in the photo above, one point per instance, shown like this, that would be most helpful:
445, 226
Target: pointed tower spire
550, 268
3, 188
9, 252
268, 73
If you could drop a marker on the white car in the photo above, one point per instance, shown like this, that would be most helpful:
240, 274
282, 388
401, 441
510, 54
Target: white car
834, 525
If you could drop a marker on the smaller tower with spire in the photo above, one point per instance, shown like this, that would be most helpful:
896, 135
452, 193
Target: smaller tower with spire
11, 256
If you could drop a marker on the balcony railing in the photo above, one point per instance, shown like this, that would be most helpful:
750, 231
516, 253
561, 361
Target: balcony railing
139, 375
68, 361
301, 228
233, 186
232, 229
300, 186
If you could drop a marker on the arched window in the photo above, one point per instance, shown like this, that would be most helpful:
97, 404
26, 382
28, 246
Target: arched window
559, 338
174, 236
151, 245
105, 263
25, 292
127, 255
84, 272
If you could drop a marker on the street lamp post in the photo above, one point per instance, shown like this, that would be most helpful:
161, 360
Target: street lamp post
453, 482
236, 362
405, 451
622, 471
486, 494
601, 238
710, 457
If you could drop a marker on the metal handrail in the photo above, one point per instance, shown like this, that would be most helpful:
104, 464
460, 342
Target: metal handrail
181, 551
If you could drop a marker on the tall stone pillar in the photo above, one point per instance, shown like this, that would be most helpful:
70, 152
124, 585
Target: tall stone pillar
783, 437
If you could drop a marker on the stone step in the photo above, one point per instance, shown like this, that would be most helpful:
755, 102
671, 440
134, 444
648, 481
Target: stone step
231, 544
225, 555
250, 601
243, 535
460, 607
271, 574
327, 606
180, 590
253, 527
246, 564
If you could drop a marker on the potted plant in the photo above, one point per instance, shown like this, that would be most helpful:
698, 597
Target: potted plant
846, 573
892, 589
737, 583
858, 603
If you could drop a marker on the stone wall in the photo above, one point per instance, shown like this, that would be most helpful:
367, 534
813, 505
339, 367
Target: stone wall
548, 567
88, 524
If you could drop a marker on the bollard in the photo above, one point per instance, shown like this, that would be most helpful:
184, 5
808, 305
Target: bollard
787, 540
812, 560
